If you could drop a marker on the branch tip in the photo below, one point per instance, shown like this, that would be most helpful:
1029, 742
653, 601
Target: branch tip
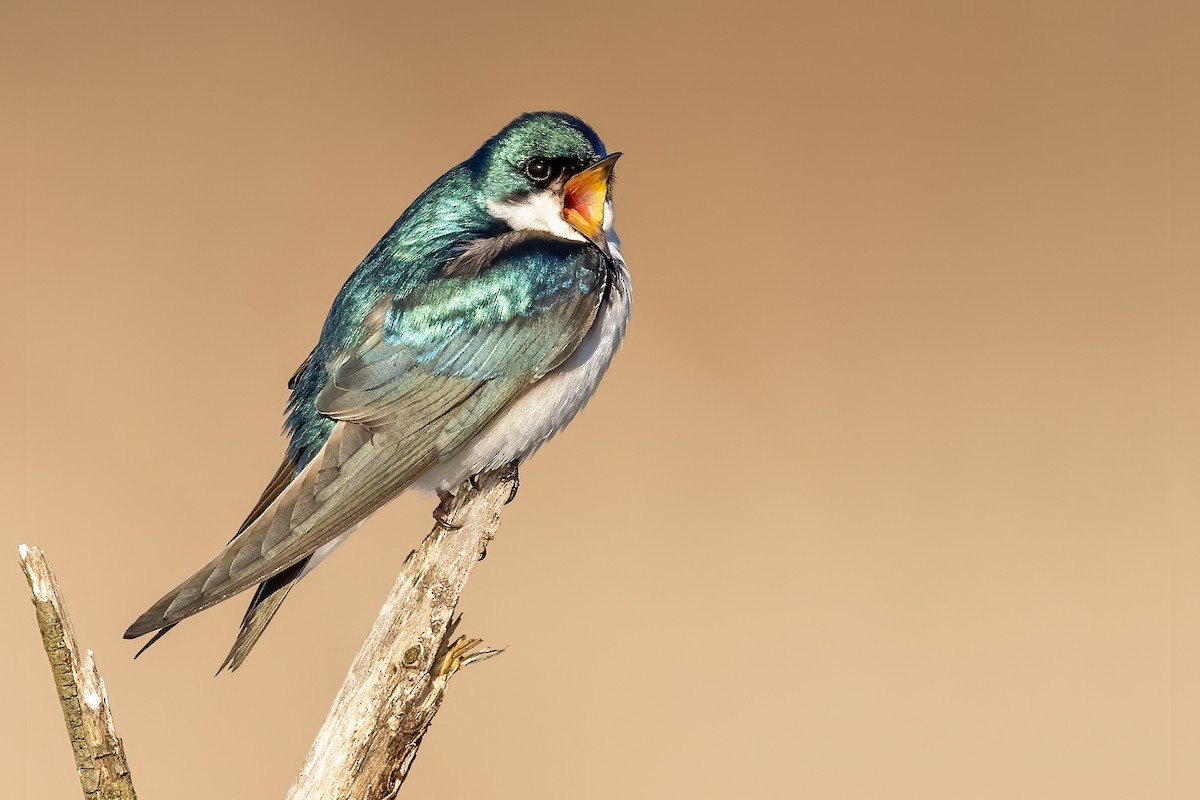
99, 758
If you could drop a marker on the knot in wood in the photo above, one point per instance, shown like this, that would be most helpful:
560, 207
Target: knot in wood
412, 656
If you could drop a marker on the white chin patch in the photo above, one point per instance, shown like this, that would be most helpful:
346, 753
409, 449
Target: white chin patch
536, 212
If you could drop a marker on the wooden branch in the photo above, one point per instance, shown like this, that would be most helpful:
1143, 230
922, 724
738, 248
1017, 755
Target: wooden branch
99, 755
368, 742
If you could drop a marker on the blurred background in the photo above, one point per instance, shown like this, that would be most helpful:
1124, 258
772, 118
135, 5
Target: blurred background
892, 491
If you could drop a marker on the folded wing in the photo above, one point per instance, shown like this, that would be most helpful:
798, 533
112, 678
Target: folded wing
428, 374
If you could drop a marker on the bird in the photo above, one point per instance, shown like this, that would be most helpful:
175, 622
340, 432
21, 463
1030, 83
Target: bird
471, 333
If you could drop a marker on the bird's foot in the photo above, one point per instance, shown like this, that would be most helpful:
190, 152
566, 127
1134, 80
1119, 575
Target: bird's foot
441, 514
511, 473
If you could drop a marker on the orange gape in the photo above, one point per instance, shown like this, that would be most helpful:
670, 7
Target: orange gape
584, 196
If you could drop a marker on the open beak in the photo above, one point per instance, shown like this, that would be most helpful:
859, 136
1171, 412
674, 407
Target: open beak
584, 197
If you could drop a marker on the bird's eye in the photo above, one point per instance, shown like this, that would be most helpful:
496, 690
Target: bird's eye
539, 169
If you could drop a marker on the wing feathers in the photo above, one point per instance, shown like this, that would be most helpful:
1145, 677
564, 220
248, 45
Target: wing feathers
354, 474
429, 371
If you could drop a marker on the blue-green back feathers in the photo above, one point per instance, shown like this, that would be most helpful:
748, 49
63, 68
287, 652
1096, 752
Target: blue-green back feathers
505, 322
491, 320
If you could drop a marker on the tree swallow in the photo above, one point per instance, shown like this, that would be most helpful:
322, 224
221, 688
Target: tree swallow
474, 331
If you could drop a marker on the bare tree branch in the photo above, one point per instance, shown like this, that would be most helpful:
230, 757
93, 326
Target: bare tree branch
99, 755
368, 742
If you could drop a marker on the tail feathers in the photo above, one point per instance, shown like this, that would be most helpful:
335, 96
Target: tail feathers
267, 599
158, 635
350, 477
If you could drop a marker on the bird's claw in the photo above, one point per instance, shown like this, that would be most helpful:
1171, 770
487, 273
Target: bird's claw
511, 473
441, 514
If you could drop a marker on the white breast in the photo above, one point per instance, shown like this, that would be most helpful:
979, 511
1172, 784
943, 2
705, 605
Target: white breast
550, 404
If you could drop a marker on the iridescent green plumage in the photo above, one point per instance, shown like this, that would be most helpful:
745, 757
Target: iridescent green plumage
451, 316
433, 232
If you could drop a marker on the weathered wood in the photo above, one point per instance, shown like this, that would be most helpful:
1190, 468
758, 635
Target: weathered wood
99, 754
368, 742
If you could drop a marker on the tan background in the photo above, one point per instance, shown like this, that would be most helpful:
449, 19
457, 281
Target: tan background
892, 492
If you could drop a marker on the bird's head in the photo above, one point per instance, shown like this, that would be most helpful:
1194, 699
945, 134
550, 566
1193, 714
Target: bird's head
548, 172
